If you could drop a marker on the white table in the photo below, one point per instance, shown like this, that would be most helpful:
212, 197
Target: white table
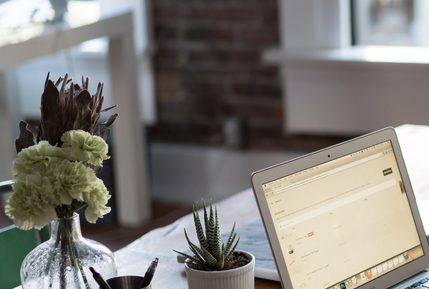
133, 200
134, 258
242, 208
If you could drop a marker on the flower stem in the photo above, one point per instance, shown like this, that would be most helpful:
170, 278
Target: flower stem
64, 260
48, 267
68, 248
77, 264
64, 232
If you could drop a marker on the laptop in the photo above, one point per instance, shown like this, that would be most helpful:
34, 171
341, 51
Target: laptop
344, 217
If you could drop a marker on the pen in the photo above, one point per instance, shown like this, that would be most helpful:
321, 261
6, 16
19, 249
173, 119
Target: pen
99, 279
149, 273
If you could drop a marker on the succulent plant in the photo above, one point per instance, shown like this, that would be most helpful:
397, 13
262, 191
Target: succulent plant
211, 254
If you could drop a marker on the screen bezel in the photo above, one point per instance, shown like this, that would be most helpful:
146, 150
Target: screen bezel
322, 156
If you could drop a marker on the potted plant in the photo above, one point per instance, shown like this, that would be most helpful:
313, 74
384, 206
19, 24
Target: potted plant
215, 264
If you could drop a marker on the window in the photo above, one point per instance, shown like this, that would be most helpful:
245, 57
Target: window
21, 20
391, 22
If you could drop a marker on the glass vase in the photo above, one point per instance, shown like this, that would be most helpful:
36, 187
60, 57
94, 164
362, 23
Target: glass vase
64, 260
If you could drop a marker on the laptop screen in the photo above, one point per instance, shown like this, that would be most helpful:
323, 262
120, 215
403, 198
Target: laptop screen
345, 222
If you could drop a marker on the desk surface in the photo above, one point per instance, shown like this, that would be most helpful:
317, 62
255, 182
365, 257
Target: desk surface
134, 258
242, 208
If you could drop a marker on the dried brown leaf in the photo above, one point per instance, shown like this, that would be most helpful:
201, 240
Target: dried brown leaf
25, 139
66, 105
51, 114
108, 108
110, 120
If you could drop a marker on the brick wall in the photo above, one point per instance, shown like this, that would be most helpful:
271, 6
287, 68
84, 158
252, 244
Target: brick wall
208, 69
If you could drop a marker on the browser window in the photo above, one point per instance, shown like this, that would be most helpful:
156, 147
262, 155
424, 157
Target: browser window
345, 222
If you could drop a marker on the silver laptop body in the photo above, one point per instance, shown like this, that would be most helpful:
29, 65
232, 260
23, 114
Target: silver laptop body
344, 217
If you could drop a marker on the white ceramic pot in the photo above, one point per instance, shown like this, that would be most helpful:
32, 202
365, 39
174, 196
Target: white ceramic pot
238, 278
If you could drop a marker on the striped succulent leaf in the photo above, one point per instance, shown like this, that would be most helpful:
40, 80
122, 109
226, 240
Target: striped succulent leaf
192, 258
198, 252
216, 238
221, 260
228, 254
206, 218
210, 259
211, 231
231, 239
199, 229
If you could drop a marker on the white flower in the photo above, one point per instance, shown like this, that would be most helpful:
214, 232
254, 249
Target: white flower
83, 146
69, 180
31, 204
96, 198
52, 182
36, 158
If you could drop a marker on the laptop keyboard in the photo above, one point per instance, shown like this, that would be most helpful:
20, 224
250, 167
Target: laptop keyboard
424, 283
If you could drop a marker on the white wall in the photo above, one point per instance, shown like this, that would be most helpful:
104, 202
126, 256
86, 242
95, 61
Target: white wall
350, 99
184, 174
347, 91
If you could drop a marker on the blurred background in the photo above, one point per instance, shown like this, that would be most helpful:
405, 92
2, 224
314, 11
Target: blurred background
228, 87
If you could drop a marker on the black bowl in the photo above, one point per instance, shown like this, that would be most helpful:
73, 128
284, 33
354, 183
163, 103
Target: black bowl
126, 282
